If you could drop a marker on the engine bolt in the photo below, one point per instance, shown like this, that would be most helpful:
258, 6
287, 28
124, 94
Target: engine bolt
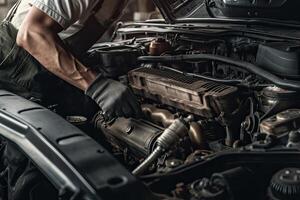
129, 129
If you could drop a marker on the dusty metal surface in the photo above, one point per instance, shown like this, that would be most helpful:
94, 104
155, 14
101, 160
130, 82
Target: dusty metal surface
191, 94
283, 122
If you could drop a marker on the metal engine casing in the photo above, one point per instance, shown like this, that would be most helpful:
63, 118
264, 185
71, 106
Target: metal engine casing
191, 94
137, 135
283, 122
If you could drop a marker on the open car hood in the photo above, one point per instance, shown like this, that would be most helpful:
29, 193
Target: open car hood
251, 9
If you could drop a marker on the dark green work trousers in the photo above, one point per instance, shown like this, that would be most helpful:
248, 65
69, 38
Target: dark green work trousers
18, 69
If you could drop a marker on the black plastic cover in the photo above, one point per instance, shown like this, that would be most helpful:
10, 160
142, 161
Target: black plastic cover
113, 62
281, 58
80, 158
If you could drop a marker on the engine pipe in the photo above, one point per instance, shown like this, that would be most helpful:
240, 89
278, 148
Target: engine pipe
166, 118
280, 82
157, 115
178, 129
158, 151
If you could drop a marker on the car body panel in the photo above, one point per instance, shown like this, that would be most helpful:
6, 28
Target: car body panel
60, 151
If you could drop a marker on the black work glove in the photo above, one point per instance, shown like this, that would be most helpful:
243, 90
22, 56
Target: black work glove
114, 98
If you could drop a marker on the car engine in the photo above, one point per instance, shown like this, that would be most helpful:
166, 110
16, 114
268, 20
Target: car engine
221, 111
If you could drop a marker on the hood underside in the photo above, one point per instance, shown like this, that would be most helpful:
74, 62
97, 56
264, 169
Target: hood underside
173, 10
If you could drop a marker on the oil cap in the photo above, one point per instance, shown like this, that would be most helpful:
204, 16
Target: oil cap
285, 185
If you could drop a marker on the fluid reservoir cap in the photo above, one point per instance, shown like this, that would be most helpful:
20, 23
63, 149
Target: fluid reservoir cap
294, 136
285, 185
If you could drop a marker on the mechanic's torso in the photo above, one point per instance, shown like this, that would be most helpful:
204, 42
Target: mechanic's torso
25, 6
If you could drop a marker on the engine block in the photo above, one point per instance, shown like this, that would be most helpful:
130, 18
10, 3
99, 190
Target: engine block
191, 94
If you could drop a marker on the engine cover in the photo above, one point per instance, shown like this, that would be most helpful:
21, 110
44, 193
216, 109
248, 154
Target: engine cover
191, 94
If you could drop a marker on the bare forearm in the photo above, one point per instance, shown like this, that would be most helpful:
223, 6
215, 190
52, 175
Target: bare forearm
49, 50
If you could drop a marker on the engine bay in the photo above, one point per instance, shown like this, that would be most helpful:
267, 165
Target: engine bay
216, 125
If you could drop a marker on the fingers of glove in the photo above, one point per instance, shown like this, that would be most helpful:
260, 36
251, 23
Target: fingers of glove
109, 114
120, 113
134, 104
136, 108
127, 110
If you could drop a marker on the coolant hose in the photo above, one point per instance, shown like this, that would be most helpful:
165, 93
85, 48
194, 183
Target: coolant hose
280, 82
158, 151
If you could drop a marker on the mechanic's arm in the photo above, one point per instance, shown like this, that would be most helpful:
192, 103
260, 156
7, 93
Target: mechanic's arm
38, 35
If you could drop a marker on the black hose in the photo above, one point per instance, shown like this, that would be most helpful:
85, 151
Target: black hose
158, 151
280, 82
222, 81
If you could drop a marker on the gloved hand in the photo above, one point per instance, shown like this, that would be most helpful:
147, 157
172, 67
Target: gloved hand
114, 98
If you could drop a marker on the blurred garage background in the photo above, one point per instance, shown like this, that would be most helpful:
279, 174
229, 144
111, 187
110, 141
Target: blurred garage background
5, 5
